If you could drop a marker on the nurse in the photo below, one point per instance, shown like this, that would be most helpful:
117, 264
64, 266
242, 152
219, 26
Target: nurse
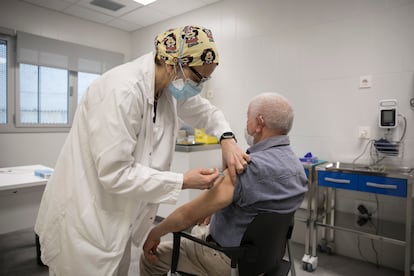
113, 170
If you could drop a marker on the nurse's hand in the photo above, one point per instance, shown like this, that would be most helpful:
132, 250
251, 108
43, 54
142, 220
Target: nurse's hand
234, 158
200, 178
150, 247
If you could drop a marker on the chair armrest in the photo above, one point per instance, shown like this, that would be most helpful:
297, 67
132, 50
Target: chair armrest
232, 252
226, 250
200, 241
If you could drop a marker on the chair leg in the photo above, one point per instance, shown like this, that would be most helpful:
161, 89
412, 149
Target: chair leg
292, 262
38, 251
233, 265
175, 253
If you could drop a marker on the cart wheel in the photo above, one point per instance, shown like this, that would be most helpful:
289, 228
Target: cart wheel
321, 248
329, 250
309, 268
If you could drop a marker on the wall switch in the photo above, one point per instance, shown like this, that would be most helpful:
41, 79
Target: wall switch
365, 81
364, 132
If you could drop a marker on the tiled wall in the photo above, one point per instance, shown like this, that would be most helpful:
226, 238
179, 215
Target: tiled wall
314, 52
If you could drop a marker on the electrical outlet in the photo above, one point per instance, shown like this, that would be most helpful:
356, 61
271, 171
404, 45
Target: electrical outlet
361, 218
364, 132
365, 81
369, 205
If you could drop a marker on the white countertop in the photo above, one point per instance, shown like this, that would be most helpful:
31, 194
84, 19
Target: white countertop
21, 177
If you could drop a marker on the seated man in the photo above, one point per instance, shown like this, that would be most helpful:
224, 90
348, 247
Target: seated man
274, 181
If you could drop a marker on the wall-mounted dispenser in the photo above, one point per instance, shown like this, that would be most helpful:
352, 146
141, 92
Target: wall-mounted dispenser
388, 113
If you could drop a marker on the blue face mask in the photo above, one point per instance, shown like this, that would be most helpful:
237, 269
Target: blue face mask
182, 90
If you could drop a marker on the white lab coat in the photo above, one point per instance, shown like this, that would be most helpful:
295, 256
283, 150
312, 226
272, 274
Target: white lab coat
112, 171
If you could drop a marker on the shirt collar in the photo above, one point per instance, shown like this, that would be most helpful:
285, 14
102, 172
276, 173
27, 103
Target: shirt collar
275, 141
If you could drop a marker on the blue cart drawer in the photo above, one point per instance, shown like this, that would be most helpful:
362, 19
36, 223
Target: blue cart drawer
383, 185
338, 180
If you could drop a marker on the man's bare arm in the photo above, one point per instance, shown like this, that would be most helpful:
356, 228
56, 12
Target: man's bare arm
218, 197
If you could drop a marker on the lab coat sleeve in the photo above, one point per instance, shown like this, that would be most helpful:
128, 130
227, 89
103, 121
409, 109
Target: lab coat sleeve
113, 128
200, 113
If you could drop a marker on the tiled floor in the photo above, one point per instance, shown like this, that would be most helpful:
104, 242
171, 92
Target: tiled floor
18, 257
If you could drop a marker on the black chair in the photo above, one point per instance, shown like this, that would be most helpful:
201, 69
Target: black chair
261, 250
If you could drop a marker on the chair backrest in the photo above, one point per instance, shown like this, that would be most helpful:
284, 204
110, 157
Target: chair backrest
266, 238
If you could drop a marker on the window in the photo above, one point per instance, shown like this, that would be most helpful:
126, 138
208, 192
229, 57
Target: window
3, 81
84, 80
43, 83
43, 95
6, 80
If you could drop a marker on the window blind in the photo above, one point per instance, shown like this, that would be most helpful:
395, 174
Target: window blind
38, 50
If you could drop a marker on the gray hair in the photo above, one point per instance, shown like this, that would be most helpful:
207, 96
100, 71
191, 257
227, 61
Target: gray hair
275, 110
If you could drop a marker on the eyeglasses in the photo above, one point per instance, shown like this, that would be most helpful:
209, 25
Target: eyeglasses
200, 77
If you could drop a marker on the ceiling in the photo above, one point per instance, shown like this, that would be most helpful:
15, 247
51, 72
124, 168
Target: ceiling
130, 17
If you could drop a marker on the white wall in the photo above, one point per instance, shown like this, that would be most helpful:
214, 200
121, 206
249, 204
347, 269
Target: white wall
37, 148
29, 18
314, 53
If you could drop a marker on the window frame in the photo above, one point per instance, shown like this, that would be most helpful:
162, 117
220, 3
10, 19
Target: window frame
82, 59
11, 57
39, 127
13, 124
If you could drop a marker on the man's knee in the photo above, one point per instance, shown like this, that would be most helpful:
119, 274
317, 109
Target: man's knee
161, 267
145, 267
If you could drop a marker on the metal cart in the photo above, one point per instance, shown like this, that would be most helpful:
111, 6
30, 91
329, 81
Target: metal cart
397, 182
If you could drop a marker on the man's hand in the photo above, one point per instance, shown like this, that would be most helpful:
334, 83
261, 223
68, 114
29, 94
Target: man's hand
200, 178
233, 158
204, 221
150, 247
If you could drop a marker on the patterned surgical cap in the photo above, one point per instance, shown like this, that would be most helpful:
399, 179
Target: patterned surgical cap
189, 45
